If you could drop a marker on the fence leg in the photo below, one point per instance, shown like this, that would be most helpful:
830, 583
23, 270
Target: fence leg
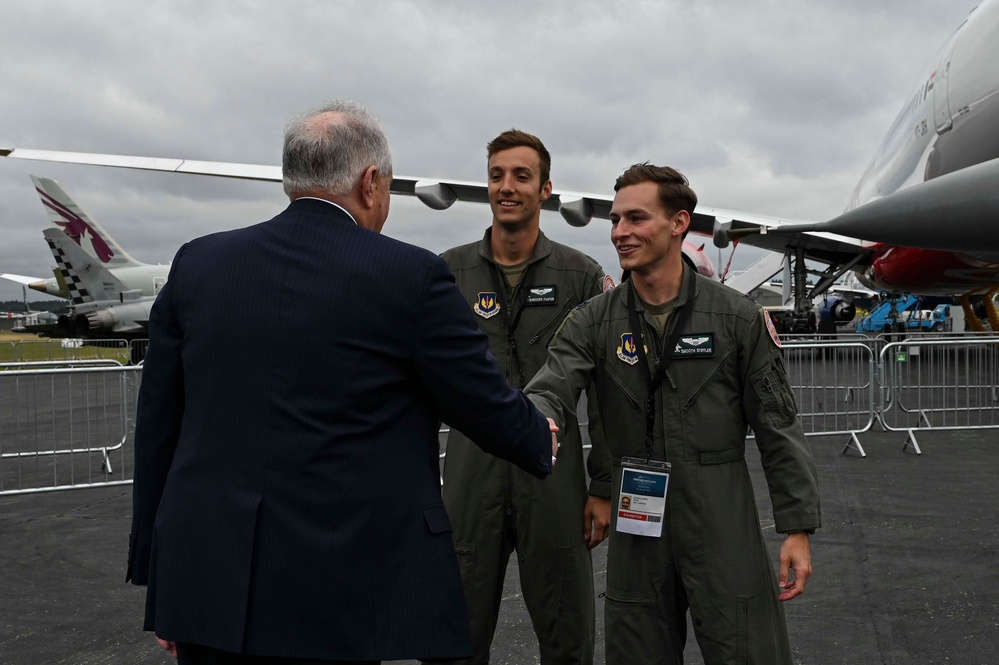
106, 464
854, 443
911, 441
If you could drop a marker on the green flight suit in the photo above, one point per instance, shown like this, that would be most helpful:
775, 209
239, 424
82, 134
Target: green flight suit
495, 507
712, 556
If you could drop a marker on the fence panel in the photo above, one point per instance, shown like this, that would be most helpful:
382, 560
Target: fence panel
65, 428
939, 384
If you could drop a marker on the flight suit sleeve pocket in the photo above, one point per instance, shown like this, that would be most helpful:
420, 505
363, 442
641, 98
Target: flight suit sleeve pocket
437, 520
775, 394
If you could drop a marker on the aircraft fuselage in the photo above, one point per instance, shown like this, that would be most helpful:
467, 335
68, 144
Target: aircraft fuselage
950, 122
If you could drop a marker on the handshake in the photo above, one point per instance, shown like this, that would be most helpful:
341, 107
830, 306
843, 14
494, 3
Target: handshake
555, 444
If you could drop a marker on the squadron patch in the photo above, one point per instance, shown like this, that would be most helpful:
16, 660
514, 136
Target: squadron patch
771, 328
487, 305
541, 295
628, 351
608, 283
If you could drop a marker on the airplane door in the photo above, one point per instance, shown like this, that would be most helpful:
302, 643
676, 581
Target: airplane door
158, 283
941, 103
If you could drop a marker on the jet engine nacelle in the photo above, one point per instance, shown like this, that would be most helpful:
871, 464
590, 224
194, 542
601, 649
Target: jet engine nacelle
109, 319
837, 310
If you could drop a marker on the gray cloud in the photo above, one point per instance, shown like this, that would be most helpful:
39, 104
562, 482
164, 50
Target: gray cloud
769, 107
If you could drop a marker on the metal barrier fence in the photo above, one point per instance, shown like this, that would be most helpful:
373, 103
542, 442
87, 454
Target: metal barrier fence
833, 384
68, 423
63, 427
940, 384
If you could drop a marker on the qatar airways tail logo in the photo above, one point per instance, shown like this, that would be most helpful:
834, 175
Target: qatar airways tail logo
76, 227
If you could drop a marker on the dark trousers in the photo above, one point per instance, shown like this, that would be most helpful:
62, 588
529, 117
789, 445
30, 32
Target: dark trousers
195, 654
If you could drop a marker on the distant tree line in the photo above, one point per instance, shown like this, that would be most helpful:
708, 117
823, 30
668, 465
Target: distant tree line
36, 306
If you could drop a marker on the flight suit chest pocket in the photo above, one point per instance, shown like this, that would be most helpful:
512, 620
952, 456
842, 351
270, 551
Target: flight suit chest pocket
437, 520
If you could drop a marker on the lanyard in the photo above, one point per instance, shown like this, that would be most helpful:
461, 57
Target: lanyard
499, 283
652, 382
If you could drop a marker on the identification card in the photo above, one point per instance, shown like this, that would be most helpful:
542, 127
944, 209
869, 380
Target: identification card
642, 503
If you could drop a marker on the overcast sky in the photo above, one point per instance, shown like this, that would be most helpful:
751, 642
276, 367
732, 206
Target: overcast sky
768, 107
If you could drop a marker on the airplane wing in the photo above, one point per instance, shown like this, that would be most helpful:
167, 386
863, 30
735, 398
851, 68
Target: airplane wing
21, 279
575, 207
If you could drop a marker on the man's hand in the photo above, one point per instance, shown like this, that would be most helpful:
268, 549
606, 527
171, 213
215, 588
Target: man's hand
596, 521
168, 645
796, 555
555, 444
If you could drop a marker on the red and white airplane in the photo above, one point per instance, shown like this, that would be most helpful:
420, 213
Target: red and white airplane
922, 219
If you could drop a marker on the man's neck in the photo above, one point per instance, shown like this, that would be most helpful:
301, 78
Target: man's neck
660, 284
513, 245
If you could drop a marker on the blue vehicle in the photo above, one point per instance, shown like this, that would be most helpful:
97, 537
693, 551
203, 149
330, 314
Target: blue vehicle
926, 320
884, 318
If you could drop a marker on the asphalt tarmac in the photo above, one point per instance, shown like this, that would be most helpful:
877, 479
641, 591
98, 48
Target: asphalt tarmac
906, 565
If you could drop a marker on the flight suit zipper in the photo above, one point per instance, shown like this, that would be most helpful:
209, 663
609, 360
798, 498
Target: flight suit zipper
562, 313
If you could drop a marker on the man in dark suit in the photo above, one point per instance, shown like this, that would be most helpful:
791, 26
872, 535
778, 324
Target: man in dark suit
287, 502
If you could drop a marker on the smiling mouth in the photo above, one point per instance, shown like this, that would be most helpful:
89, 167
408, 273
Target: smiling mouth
508, 204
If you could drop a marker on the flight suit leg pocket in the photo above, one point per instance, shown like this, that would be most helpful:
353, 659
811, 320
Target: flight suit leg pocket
757, 641
633, 629
562, 607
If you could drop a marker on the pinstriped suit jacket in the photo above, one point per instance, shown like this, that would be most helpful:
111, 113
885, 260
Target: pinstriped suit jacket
286, 498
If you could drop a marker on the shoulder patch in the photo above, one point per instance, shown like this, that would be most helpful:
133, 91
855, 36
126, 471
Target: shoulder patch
770, 328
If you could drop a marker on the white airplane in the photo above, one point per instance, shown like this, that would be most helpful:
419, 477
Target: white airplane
101, 304
921, 220
65, 214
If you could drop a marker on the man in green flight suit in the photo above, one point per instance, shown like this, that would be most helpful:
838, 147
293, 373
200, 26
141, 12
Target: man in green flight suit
521, 285
683, 366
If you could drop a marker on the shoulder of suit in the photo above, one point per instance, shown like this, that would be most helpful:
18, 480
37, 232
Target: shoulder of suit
720, 297
462, 256
568, 258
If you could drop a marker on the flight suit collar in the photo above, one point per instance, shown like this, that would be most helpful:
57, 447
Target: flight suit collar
542, 248
681, 299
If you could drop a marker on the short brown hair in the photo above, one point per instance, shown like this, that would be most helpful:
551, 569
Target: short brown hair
675, 193
514, 138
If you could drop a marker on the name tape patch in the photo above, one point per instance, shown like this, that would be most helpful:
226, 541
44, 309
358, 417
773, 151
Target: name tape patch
541, 295
695, 345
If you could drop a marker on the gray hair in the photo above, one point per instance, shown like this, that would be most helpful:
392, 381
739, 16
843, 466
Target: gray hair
330, 154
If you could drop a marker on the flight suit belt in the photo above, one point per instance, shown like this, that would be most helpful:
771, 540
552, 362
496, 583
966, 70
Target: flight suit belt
723, 456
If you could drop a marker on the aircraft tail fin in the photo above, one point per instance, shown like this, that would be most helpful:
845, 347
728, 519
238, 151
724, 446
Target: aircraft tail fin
85, 278
67, 215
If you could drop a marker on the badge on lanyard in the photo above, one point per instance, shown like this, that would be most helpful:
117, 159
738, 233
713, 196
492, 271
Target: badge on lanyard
642, 502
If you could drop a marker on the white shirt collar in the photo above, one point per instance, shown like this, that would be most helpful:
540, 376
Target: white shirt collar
316, 198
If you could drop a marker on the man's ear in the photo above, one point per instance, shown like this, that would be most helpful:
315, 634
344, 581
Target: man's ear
680, 223
546, 190
367, 185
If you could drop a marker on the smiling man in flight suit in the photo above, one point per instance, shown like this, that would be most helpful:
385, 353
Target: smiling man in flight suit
683, 366
520, 285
